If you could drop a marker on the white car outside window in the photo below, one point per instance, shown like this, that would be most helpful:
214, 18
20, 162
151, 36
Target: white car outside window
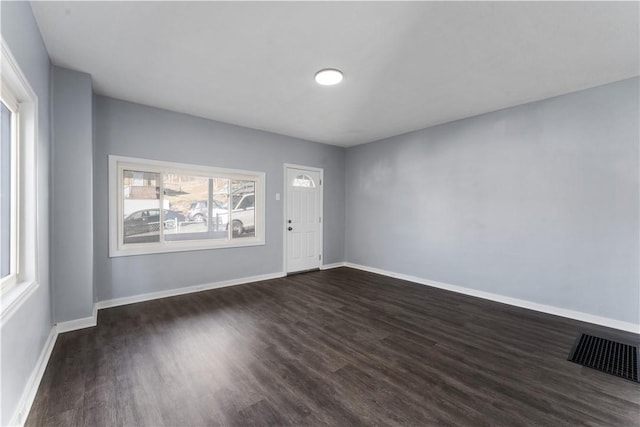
242, 214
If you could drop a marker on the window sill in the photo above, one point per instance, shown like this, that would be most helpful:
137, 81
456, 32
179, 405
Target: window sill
169, 247
14, 298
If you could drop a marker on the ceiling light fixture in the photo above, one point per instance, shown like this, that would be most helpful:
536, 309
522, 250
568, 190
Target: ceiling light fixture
329, 77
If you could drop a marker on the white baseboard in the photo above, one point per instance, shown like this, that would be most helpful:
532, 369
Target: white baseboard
29, 393
73, 325
549, 309
333, 265
187, 290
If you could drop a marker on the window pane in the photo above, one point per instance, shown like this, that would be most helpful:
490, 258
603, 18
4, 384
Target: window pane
304, 181
5, 190
141, 206
170, 207
187, 217
243, 214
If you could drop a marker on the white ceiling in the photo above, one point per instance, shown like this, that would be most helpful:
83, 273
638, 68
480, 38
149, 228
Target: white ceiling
407, 65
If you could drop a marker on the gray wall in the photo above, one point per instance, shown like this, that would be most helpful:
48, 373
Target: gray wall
128, 129
72, 204
24, 334
537, 202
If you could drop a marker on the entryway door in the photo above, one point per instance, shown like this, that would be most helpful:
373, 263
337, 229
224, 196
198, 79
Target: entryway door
303, 218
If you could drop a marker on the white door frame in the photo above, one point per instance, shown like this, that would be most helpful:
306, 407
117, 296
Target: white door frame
284, 212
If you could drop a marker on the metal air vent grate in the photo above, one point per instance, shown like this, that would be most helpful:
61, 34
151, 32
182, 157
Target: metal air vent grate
605, 355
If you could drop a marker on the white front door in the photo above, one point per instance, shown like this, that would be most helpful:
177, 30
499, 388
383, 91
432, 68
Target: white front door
303, 219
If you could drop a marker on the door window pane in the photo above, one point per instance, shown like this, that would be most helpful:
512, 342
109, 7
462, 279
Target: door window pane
303, 181
141, 206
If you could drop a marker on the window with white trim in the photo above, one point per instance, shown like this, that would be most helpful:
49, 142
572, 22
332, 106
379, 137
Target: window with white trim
8, 188
18, 191
157, 206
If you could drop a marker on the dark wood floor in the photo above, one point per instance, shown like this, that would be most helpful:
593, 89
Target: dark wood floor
336, 347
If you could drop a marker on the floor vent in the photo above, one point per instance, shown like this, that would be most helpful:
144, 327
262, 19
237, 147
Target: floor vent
605, 355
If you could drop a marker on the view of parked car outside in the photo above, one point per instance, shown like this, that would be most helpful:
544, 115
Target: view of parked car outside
148, 220
186, 214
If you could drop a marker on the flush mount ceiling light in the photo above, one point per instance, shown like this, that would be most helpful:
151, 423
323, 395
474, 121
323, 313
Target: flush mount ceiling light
329, 77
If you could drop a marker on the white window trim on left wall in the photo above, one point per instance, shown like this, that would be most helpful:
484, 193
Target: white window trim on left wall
23, 280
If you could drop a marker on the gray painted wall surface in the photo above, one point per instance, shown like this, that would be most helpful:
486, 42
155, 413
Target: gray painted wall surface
72, 204
537, 202
133, 130
24, 334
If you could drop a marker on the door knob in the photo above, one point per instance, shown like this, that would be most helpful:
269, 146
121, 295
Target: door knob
290, 228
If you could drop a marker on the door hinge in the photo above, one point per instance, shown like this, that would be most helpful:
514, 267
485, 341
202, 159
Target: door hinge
320, 182
319, 219
319, 257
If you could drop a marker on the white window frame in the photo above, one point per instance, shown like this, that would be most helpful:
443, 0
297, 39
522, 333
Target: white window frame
18, 95
11, 102
117, 247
